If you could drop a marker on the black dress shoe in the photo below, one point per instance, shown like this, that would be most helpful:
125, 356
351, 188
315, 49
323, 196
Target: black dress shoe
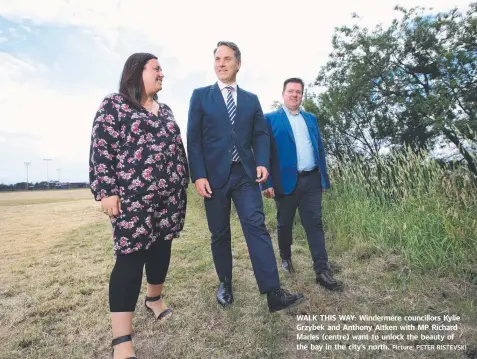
280, 299
224, 293
287, 266
325, 279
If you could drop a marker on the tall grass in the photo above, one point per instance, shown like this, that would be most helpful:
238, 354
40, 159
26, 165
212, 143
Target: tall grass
409, 204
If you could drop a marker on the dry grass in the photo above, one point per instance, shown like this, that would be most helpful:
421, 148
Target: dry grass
54, 286
39, 197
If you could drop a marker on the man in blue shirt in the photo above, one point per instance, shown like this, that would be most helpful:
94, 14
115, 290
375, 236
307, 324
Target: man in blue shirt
297, 178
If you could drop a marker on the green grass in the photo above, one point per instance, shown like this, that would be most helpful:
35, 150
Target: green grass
409, 205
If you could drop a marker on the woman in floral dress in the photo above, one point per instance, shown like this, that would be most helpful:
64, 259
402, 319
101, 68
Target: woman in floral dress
139, 172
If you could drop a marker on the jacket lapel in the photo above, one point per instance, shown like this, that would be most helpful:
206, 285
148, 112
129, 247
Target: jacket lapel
241, 99
218, 100
312, 126
309, 123
286, 123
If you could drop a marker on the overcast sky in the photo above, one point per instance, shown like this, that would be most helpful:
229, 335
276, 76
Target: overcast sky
59, 58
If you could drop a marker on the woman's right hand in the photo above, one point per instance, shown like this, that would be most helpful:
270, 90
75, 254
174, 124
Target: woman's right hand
111, 205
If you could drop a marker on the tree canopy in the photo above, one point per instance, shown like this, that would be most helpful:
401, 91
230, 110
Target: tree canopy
412, 84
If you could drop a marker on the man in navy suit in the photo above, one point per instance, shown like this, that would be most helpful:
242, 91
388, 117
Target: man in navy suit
228, 147
298, 176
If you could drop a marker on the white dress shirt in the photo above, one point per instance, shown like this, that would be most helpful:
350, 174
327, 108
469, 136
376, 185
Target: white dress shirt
225, 92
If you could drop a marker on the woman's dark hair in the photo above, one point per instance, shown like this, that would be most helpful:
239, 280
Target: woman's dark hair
131, 84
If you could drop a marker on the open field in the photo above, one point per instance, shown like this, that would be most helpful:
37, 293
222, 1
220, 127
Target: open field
54, 293
43, 196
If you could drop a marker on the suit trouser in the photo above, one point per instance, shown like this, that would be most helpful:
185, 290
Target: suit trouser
247, 198
307, 197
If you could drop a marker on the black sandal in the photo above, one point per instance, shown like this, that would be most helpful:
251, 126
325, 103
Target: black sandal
155, 299
120, 340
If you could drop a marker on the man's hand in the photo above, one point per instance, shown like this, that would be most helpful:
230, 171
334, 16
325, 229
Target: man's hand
262, 174
202, 186
269, 192
111, 205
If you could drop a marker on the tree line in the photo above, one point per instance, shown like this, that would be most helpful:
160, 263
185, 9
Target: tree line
411, 85
20, 186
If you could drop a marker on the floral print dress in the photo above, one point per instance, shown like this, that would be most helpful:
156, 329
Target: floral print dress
141, 158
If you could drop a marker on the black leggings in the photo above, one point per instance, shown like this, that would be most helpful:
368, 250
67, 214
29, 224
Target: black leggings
126, 276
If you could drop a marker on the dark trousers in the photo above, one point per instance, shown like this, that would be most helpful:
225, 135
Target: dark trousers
247, 198
126, 276
307, 198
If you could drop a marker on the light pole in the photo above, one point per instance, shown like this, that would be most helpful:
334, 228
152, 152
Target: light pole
47, 178
26, 165
59, 171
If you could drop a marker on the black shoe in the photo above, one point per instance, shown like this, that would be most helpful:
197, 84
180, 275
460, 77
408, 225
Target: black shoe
120, 340
161, 316
280, 299
325, 279
224, 293
287, 266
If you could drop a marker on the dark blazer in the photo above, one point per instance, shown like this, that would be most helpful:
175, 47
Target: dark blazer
210, 135
284, 171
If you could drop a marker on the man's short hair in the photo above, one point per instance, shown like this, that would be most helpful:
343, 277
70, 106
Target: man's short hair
231, 45
295, 80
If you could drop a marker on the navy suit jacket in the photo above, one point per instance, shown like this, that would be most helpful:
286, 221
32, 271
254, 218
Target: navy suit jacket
283, 164
210, 135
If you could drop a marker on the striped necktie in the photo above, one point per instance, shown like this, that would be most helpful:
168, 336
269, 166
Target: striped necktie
232, 110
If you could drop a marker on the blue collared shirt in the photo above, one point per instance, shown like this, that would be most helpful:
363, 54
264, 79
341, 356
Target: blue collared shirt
304, 148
